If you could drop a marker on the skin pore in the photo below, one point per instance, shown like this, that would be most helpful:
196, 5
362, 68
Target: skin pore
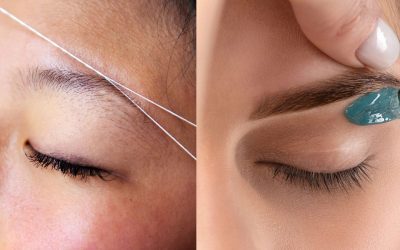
53, 105
274, 111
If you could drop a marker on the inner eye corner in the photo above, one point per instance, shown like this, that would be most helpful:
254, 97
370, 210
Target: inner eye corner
27, 144
27, 147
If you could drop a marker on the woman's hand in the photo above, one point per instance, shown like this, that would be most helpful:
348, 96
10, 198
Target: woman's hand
349, 31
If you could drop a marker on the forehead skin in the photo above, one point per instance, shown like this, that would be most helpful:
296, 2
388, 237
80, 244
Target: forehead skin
132, 41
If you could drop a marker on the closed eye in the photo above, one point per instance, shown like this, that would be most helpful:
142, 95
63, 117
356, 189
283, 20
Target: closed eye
326, 181
67, 168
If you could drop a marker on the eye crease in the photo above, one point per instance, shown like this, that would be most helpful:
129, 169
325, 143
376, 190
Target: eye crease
73, 170
297, 153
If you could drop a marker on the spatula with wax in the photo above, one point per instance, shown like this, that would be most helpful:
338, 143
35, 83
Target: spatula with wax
375, 107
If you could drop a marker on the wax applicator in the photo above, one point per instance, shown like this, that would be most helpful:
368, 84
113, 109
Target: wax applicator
375, 107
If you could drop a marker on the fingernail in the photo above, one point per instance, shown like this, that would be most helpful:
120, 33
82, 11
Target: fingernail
381, 49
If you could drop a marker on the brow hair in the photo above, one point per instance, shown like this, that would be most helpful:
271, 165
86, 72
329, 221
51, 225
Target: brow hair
97, 92
62, 79
72, 82
324, 92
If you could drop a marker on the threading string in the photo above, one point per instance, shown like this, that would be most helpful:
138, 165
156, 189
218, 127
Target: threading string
114, 83
159, 125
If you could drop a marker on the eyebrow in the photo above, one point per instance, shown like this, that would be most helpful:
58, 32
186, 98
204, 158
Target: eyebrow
324, 92
67, 81
77, 83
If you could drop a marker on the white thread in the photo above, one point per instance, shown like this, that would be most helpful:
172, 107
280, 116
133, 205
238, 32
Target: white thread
91, 68
160, 126
116, 84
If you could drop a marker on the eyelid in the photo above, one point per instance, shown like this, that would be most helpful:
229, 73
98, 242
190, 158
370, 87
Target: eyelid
72, 159
67, 167
307, 145
120, 171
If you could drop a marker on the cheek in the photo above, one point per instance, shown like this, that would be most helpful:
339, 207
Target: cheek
42, 218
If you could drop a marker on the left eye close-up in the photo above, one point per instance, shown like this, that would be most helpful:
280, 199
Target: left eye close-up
98, 124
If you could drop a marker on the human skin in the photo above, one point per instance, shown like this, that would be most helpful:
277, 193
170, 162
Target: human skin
150, 202
254, 57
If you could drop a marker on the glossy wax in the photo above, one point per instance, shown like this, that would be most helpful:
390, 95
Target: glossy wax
375, 107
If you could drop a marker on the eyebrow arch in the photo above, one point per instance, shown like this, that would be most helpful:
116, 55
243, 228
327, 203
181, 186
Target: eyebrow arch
324, 92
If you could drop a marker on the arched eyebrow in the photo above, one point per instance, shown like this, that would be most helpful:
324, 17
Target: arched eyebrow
323, 92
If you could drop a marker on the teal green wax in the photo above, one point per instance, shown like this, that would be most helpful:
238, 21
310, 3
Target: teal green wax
375, 107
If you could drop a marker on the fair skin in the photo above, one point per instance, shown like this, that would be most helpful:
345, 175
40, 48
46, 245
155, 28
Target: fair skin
350, 32
148, 201
337, 28
256, 57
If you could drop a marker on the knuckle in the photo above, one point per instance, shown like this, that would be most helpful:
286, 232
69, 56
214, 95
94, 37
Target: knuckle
359, 18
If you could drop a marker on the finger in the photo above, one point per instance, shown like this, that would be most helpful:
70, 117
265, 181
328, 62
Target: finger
351, 32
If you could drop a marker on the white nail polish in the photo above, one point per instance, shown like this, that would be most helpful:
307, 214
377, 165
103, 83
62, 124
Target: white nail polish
381, 49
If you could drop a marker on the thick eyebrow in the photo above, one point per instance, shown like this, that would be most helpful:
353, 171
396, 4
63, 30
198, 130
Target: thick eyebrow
324, 92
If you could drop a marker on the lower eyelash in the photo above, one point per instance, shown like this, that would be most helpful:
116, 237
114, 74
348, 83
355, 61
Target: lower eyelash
343, 180
66, 168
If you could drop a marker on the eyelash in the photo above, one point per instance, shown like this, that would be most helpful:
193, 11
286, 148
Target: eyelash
343, 180
66, 168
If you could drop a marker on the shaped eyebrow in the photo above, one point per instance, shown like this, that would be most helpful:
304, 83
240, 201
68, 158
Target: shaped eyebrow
324, 92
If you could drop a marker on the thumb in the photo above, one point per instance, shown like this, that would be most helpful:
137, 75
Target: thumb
350, 32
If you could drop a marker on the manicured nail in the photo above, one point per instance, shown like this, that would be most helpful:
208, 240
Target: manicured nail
375, 108
381, 49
